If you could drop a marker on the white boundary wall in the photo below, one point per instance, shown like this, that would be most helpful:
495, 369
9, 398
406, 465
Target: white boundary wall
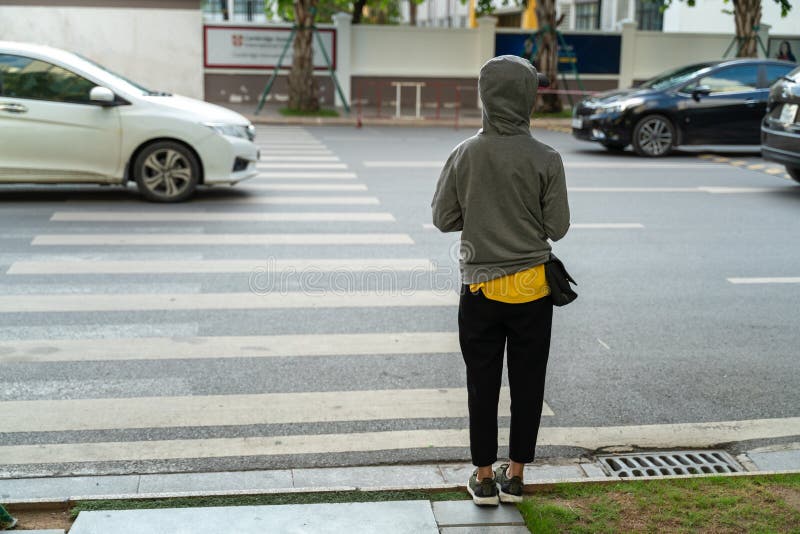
414, 51
160, 48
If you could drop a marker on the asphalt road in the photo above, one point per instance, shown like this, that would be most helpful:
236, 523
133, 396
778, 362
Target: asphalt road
660, 335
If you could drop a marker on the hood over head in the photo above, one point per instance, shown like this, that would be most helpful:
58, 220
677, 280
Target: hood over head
507, 87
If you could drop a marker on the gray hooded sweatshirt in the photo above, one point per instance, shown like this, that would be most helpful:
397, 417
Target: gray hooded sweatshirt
502, 188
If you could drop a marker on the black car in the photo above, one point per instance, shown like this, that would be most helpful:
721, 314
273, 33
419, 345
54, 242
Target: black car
780, 131
711, 103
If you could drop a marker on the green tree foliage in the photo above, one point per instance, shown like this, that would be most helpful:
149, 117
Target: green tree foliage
747, 17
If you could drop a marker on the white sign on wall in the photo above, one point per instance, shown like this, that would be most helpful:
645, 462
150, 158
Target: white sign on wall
247, 47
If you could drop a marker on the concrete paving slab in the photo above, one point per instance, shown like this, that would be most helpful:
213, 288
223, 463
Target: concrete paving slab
235, 481
466, 514
534, 473
63, 487
457, 473
788, 460
400, 517
504, 529
378, 476
593, 470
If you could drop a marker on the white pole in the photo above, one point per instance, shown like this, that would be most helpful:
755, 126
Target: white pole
397, 103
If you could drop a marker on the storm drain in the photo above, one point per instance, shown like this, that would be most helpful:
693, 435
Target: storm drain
669, 463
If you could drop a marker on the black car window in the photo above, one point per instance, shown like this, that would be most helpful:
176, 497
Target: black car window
776, 72
734, 79
23, 77
674, 77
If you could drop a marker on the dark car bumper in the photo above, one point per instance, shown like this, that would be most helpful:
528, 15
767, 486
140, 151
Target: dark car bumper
604, 128
780, 146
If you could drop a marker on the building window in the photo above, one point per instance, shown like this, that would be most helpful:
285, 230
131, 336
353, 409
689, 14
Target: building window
249, 10
215, 10
649, 15
587, 15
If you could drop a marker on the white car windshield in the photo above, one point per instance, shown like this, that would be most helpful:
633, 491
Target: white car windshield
129, 84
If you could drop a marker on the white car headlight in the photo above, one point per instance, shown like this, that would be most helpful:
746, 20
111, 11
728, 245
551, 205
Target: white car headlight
233, 130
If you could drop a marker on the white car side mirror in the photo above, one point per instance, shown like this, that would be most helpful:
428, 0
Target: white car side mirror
102, 95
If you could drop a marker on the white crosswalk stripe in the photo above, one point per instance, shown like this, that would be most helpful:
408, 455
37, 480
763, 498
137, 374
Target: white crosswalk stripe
68, 267
309, 159
63, 303
123, 239
192, 216
304, 175
303, 187
288, 345
216, 410
272, 166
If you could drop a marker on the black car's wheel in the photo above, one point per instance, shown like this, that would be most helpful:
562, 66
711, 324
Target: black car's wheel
654, 136
614, 147
166, 171
794, 172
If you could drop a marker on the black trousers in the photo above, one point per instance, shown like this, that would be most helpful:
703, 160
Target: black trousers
485, 328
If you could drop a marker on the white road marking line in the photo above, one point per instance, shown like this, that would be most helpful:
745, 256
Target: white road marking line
191, 216
272, 166
299, 158
272, 265
297, 152
303, 175
737, 190
684, 435
701, 189
603, 344
633, 190
172, 348
572, 164
98, 302
293, 146
251, 409
220, 239
303, 187
637, 165
404, 164
606, 226
297, 200
582, 226
772, 280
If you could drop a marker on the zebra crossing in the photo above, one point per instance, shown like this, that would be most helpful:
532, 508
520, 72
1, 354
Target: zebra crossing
209, 247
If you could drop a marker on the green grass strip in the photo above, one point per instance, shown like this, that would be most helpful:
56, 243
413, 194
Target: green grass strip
716, 504
287, 112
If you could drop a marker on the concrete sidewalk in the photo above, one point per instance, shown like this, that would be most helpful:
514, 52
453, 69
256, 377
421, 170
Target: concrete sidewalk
270, 115
407, 516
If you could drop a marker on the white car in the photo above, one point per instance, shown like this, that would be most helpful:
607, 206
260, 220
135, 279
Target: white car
66, 119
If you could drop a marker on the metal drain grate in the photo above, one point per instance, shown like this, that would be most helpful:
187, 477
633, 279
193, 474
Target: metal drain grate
669, 463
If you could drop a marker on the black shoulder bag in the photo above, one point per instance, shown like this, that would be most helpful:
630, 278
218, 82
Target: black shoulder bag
559, 279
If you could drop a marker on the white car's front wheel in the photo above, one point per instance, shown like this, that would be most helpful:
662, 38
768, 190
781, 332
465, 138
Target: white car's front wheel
166, 171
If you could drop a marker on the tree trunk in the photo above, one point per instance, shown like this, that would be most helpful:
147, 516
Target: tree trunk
547, 54
358, 10
412, 12
747, 14
302, 89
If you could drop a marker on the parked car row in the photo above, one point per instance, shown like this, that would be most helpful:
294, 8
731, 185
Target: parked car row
66, 119
734, 102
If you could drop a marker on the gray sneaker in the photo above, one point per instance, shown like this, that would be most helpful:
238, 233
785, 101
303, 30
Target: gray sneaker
510, 489
484, 493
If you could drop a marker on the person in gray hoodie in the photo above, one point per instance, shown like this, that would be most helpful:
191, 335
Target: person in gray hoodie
506, 192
